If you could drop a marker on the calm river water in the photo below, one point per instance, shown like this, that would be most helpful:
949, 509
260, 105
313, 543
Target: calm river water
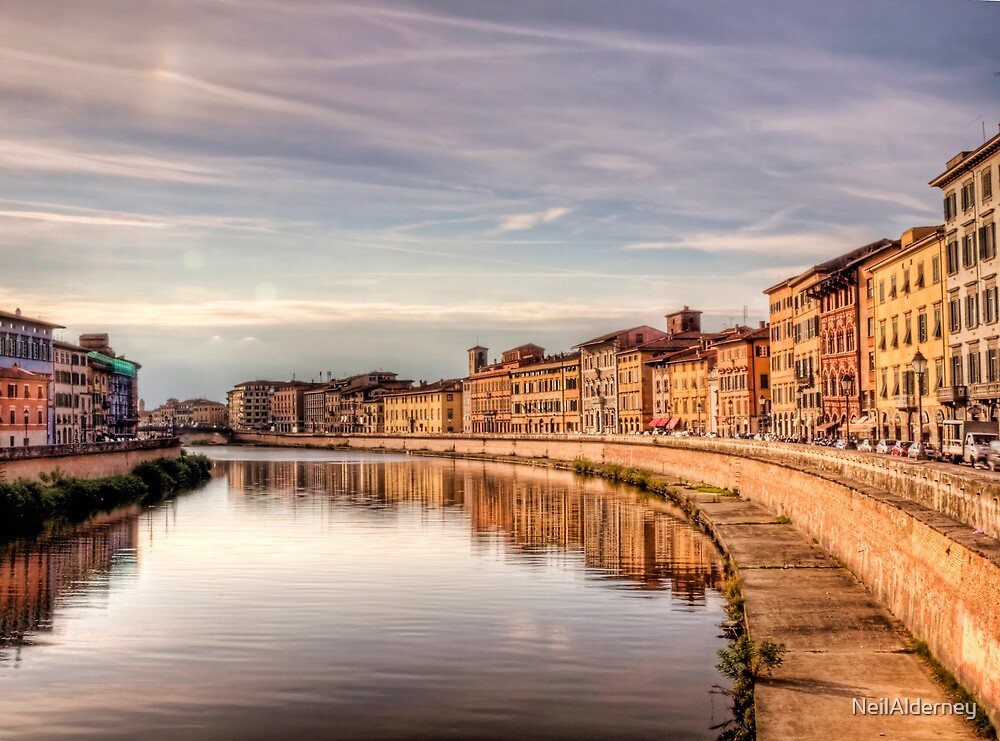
356, 596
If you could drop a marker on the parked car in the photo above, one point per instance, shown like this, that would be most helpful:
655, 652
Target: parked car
866, 446
901, 448
931, 453
885, 446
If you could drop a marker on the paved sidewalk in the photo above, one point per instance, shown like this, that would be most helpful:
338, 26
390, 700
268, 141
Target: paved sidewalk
841, 644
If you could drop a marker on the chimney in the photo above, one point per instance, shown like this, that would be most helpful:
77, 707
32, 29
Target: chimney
762, 324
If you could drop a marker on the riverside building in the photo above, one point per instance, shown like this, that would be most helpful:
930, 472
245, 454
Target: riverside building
969, 185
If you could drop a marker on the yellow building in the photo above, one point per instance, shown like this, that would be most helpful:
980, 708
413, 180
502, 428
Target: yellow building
430, 408
911, 292
687, 383
784, 387
545, 396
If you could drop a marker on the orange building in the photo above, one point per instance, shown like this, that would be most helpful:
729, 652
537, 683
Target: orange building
24, 408
743, 362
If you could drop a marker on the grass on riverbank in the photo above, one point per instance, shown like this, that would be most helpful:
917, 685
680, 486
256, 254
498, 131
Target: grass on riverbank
981, 723
27, 505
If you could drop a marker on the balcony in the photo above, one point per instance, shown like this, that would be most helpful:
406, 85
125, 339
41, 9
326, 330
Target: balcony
904, 401
952, 394
984, 390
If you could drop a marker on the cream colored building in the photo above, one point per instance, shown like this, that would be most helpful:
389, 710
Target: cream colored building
969, 183
427, 409
910, 294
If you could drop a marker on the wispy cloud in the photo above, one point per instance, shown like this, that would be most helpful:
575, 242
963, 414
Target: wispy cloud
834, 242
267, 313
521, 222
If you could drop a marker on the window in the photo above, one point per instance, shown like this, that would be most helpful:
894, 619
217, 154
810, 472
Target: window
936, 269
956, 370
907, 333
974, 368
881, 291
987, 184
954, 315
937, 321
968, 195
987, 242
969, 249
971, 310
949, 206
870, 287
895, 332
871, 361
922, 327
881, 335
920, 275
992, 365
906, 281
892, 287
952, 257
871, 326
990, 304
938, 374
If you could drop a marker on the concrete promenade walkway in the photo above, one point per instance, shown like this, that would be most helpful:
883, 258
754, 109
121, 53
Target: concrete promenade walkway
841, 644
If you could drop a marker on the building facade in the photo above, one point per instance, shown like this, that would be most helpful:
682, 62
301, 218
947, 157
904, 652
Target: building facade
24, 408
545, 396
743, 368
72, 398
969, 185
911, 290
434, 408
599, 375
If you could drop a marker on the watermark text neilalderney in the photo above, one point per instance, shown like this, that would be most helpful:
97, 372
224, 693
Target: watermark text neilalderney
908, 706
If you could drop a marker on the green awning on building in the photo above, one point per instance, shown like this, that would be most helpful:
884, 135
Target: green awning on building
118, 366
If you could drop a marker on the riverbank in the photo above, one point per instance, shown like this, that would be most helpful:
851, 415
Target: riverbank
27, 505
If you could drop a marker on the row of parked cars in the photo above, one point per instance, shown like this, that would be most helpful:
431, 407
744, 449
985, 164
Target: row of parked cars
902, 448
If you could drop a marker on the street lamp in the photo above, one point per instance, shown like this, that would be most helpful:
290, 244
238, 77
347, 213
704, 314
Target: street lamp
698, 407
846, 387
919, 365
25, 428
760, 413
732, 423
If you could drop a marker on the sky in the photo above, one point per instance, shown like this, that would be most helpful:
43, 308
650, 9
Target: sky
242, 189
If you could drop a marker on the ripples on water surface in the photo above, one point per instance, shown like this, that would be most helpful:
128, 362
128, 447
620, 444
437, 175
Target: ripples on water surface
346, 595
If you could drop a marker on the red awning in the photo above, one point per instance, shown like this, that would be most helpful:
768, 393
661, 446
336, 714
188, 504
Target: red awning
673, 422
655, 422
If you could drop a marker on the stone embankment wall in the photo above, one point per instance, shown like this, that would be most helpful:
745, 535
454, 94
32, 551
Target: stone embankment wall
86, 461
921, 536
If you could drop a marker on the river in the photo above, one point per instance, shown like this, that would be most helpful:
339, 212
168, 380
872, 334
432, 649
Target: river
367, 596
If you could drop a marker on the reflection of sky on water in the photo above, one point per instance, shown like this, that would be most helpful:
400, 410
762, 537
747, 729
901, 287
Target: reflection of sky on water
382, 599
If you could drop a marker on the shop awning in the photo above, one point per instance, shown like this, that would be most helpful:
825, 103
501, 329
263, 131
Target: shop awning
657, 421
673, 422
826, 426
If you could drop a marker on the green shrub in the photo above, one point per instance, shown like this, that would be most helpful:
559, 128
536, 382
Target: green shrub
25, 505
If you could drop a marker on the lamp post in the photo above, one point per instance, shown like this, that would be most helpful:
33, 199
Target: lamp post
760, 413
919, 365
25, 428
698, 406
846, 387
732, 422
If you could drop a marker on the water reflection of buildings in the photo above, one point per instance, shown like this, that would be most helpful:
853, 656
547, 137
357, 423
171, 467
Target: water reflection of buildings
34, 577
649, 543
644, 542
